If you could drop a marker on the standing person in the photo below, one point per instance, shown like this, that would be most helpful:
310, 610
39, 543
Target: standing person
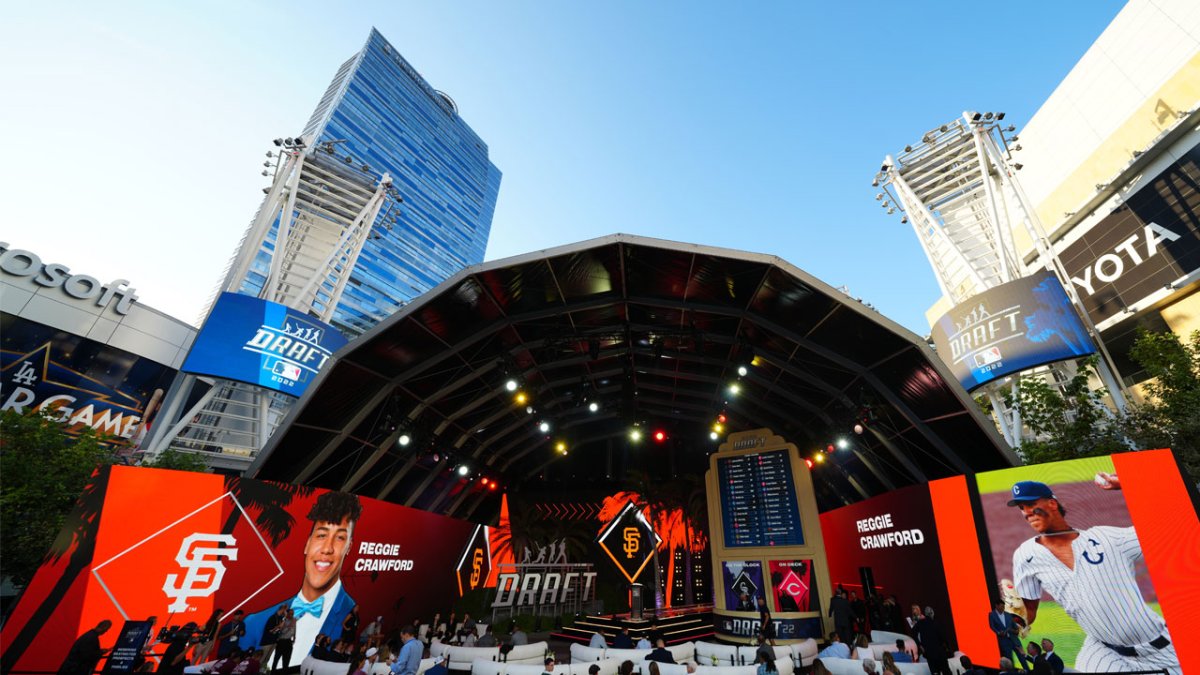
230, 634
766, 625
85, 653
270, 633
208, 636
859, 609
764, 651
373, 633
842, 613
1053, 660
409, 659
285, 640
173, 661
1091, 573
932, 642
911, 620
1040, 667
1004, 625
350, 625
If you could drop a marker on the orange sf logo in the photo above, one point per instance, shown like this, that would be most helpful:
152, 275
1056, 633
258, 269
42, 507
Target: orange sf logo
633, 541
476, 567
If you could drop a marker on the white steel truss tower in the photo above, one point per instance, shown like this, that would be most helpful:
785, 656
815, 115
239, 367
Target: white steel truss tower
958, 189
311, 228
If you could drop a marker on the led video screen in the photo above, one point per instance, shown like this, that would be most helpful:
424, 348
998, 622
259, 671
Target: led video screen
179, 545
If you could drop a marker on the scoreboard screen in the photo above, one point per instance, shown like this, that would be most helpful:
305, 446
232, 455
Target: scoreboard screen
758, 500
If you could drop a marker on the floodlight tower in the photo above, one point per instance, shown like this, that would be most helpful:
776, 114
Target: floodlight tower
299, 251
958, 189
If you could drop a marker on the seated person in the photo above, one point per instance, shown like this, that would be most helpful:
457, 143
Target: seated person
643, 643
836, 649
969, 669
660, 653
488, 639
519, 637
868, 666
597, 641
622, 639
862, 648
901, 654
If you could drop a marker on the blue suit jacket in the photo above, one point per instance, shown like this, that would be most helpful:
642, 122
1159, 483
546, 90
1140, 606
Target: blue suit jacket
1003, 627
255, 623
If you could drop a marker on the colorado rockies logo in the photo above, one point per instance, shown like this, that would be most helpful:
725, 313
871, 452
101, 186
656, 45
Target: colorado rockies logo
204, 568
1087, 554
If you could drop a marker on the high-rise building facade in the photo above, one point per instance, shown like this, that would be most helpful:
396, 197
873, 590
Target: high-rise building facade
380, 113
385, 193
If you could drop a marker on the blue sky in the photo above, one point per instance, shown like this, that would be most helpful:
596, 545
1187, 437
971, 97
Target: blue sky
135, 132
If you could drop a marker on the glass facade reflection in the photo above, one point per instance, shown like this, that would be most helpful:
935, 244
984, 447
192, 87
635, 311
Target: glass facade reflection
380, 111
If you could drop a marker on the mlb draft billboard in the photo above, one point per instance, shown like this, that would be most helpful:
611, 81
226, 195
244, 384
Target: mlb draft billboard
1012, 327
263, 343
179, 546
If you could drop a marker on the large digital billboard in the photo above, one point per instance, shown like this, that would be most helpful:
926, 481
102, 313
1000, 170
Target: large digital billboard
1150, 240
1009, 328
178, 546
262, 343
1071, 566
86, 383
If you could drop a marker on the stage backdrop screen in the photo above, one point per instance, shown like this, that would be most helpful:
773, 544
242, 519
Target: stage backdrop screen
1083, 550
262, 343
177, 545
1010, 328
758, 500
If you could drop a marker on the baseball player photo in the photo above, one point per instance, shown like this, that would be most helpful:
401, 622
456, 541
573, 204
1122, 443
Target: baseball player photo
1091, 572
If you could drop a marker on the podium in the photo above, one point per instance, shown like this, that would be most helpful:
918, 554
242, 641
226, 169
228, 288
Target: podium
636, 595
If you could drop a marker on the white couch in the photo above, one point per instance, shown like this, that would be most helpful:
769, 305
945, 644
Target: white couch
854, 666
531, 654
804, 653
711, 654
634, 655
461, 658
585, 653
684, 652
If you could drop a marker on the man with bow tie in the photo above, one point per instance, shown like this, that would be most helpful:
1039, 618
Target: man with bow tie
321, 605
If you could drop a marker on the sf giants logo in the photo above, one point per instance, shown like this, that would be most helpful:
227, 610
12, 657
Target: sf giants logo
633, 541
204, 566
476, 567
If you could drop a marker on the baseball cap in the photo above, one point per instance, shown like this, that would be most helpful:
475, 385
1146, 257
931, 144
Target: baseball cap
1030, 491
372, 652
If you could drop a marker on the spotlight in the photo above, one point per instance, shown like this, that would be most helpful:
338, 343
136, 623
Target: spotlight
521, 398
829, 448
988, 116
635, 435
561, 447
528, 410
809, 462
492, 486
437, 457
714, 435
278, 142
660, 436
594, 407
734, 389
858, 429
463, 470
483, 480
404, 440
721, 418
842, 444
544, 427
511, 384
908, 148
742, 371
999, 116
976, 117
819, 458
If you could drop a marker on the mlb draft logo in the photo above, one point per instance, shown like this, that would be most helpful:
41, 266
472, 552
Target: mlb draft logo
987, 356
178, 570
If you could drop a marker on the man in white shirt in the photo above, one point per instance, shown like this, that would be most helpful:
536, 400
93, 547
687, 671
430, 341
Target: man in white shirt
643, 643
836, 649
597, 641
320, 606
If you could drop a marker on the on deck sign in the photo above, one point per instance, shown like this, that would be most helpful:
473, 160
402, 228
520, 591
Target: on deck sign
630, 541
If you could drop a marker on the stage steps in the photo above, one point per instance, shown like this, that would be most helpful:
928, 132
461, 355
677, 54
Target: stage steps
679, 627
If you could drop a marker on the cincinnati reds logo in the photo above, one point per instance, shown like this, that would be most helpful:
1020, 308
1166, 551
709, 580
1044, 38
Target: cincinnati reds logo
203, 565
633, 541
792, 585
476, 567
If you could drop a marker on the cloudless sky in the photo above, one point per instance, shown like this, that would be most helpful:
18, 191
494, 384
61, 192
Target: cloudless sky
134, 133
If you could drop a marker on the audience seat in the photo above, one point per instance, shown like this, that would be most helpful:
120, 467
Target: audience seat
634, 655
585, 653
461, 658
804, 653
725, 655
533, 653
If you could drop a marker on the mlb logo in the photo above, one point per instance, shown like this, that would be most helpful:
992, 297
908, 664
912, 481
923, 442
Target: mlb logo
289, 371
987, 356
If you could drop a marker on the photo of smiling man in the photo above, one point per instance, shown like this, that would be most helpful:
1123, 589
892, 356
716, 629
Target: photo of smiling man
321, 605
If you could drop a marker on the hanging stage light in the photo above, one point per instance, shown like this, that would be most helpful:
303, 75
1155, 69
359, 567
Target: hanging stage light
404, 440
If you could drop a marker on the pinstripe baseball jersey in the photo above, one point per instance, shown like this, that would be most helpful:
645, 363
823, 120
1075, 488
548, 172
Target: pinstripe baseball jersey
1101, 593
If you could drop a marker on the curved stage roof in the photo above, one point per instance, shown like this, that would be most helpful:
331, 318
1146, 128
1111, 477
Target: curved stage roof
651, 330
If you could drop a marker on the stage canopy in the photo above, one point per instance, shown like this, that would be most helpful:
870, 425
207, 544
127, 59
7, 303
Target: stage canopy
653, 332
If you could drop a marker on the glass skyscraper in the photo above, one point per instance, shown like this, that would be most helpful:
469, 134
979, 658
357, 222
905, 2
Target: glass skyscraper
380, 112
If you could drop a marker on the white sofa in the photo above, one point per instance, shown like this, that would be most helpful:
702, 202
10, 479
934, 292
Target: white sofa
804, 653
711, 654
531, 654
585, 653
461, 658
634, 655
684, 652
854, 666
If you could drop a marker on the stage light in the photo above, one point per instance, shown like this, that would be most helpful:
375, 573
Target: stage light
742, 370
404, 440
819, 458
719, 428
520, 398
463, 470
858, 429
544, 427
721, 418
714, 435
660, 436
635, 434
483, 480
829, 448
561, 447
842, 444
594, 407
734, 388
528, 410
492, 486
511, 385
809, 462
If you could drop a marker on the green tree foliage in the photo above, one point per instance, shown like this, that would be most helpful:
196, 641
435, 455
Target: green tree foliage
1068, 422
1170, 417
179, 461
43, 471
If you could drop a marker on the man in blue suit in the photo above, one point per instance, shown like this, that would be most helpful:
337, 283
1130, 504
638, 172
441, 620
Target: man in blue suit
321, 605
1004, 625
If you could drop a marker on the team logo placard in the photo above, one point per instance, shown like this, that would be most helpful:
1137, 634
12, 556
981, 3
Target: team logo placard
475, 563
630, 541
